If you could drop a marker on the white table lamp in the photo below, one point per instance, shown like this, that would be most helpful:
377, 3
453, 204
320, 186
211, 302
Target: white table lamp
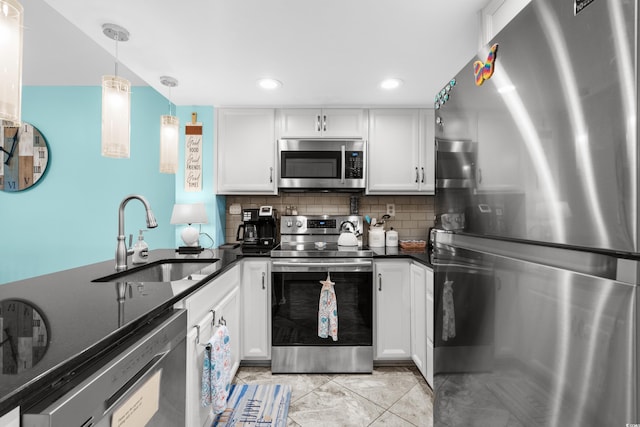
190, 213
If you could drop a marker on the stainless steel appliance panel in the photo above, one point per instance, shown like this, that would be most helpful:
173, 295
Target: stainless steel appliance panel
456, 163
338, 164
556, 125
563, 342
296, 287
92, 401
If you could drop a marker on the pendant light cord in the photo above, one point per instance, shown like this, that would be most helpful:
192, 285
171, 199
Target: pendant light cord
116, 71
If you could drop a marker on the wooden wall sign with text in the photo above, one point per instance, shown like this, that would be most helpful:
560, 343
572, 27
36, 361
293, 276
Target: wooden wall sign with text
193, 155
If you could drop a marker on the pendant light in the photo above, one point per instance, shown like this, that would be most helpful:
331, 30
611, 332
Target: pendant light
116, 103
169, 134
11, 16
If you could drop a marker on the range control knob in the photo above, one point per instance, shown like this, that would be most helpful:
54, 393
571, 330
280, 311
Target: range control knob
289, 224
298, 223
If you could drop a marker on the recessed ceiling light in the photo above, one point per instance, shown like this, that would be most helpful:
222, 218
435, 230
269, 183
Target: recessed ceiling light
392, 83
269, 83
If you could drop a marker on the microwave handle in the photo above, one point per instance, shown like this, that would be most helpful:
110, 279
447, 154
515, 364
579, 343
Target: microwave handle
344, 164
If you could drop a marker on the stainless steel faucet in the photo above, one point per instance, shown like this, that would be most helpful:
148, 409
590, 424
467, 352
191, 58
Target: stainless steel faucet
121, 249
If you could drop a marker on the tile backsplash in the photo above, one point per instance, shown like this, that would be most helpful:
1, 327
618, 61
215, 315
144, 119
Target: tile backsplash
414, 214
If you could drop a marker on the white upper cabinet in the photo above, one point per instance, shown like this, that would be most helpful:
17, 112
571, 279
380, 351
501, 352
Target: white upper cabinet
322, 122
497, 14
401, 151
246, 153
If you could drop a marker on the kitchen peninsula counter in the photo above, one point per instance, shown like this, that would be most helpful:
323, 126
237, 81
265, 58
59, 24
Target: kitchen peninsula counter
84, 318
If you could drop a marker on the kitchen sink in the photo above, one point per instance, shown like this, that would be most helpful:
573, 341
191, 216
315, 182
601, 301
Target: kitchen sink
168, 270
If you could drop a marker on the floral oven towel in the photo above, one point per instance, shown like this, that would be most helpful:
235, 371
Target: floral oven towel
328, 311
216, 371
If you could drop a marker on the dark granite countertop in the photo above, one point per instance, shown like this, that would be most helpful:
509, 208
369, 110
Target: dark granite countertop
423, 257
83, 318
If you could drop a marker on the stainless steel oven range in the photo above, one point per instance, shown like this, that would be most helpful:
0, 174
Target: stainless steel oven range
302, 307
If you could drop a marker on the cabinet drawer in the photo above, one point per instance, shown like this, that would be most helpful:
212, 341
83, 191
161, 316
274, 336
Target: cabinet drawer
204, 300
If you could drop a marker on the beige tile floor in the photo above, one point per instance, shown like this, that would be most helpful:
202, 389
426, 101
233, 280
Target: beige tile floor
390, 396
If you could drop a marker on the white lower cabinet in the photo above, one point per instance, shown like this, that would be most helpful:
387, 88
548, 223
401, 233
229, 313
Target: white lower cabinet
430, 326
256, 306
422, 320
11, 419
222, 297
393, 305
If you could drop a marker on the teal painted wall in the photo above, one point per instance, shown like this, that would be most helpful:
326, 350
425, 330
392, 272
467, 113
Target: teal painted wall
215, 205
71, 217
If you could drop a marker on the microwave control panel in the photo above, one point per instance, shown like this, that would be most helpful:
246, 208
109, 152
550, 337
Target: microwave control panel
354, 164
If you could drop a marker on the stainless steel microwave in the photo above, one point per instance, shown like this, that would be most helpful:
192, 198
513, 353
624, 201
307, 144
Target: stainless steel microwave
323, 164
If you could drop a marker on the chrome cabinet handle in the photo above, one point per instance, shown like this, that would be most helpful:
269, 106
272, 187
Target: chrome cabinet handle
263, 275
271, 174
318, 123
479, 175
324, 123
380, 281
422, 175
417, 174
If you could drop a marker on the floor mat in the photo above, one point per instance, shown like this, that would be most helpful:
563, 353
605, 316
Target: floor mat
256, 406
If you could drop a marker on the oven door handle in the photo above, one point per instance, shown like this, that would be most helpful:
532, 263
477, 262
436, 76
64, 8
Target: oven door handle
306, 266
322, 264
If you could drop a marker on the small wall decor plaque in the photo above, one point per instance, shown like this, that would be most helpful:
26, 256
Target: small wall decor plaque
193, 155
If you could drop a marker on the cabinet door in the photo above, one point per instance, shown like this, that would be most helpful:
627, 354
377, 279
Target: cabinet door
256, 293
394, 150
344, 123
430, 323
204, 299
428, 153
419, 317
316, 122
246, 151
393, 322
300, 122
229, 309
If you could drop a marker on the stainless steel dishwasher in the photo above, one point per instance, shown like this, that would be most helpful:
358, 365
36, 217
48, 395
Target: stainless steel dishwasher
142, 383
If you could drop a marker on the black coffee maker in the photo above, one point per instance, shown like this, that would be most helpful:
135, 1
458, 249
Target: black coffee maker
259, 229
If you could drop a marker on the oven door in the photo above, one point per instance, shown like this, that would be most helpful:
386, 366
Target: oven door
321, 164
296, 320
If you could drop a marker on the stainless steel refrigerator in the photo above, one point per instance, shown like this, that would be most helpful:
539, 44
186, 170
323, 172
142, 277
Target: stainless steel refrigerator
537, 250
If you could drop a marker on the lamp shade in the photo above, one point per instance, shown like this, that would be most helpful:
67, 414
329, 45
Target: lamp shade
189, 213
11, 16
116, 106
169, 136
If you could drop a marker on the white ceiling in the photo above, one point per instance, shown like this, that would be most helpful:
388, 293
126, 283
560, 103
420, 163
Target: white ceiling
330, 53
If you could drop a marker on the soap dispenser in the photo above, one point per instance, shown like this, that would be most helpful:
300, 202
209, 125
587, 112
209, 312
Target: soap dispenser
140, 250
